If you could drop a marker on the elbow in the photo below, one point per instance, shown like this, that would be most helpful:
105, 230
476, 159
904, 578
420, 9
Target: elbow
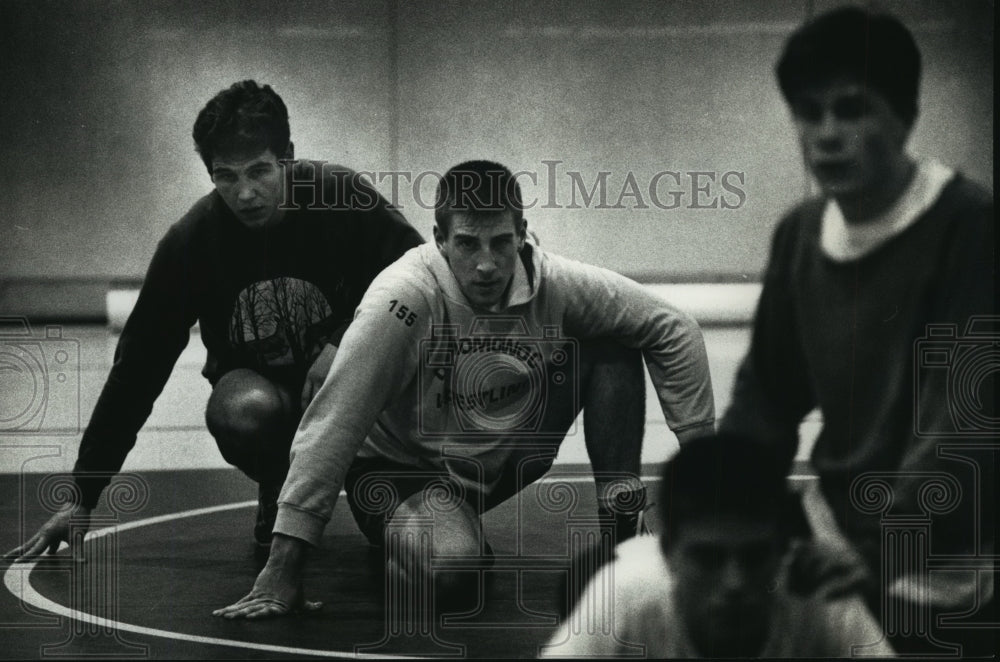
683, 326
689, 324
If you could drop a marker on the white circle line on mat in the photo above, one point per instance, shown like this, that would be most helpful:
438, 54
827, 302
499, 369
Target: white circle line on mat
17, 581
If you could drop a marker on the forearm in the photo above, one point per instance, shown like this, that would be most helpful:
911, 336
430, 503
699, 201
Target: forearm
773, 389
617, 479
154, 336
376, 359
126, 400
616, 458
322, 452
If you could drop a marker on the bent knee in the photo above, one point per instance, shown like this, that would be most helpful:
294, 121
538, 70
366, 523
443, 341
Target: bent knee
245, 404
450, 588
423, 535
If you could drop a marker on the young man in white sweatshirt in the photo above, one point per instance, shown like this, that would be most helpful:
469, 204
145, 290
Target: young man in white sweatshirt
465, 365
717, 580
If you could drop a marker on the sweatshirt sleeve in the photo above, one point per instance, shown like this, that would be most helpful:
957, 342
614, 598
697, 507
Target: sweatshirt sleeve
772, 393
601, 303
156, 332
592, 629
376, 360
963, 298
625, 609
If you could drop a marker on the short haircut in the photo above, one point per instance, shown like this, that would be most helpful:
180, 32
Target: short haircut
480, 188
723, 474
875, 49
244, 118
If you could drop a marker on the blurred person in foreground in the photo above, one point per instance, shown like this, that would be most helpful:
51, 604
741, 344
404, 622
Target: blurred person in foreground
717, 578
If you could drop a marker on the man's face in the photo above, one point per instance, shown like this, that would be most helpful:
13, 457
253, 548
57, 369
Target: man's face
251, 185
852, 140
724, 569
482, 251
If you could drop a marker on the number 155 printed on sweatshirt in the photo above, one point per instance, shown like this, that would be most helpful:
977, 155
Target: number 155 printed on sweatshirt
402, 312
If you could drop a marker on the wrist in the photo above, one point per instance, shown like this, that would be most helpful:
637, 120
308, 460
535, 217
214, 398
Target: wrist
621, 507
287, 554
75, 509
623, 495
690, 434
325, 358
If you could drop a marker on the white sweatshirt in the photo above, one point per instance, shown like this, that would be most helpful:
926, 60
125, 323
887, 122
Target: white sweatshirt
628, 610
420, 375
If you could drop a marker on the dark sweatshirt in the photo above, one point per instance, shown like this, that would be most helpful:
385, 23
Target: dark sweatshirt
843, 336
268, 299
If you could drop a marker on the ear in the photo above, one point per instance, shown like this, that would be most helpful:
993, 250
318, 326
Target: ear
290, 152
522, 234
905, 130
666, 540
439, 238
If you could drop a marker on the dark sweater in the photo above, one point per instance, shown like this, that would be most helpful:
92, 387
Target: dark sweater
266, 299
843, 336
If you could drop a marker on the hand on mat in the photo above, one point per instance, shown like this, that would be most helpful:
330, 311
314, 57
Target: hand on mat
70, 525
317, 374
278, 589
268, 599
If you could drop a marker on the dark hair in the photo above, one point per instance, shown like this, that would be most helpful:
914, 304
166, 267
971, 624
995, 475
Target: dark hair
246, 117
478, 187
722, 474
875, 49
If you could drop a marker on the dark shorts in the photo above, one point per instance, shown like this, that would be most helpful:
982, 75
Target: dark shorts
376, 487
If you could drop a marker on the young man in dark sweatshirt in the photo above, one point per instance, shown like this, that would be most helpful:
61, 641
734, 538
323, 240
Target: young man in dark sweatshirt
865, 313
271, 265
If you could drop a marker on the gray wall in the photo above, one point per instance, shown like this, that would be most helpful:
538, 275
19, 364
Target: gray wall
99, 99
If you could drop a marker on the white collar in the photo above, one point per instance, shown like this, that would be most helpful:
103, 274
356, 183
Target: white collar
521, 290
843, 241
